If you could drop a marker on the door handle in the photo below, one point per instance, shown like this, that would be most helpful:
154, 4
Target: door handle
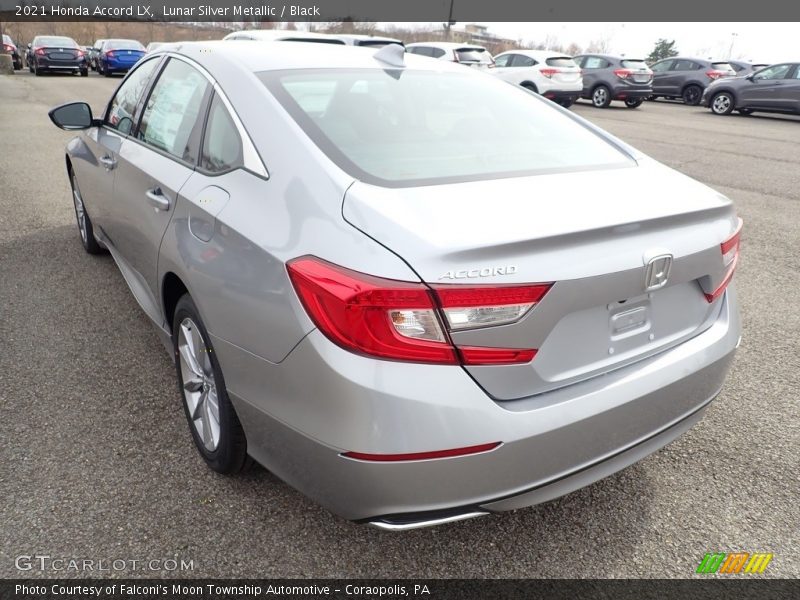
157, 199
108, 162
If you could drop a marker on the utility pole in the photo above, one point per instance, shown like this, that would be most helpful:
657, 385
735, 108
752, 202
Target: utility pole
733, 39
450, 22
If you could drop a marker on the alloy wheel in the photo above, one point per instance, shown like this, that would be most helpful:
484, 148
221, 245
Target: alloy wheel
199, 384
80, 211
722, 104
600, 97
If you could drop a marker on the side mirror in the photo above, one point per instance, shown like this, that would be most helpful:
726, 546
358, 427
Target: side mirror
749, 77
71, 116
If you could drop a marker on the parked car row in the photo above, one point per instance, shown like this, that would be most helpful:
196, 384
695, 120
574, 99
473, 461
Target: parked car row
722, 86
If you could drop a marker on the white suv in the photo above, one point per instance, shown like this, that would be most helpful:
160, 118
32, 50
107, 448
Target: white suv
550, 74
467, 54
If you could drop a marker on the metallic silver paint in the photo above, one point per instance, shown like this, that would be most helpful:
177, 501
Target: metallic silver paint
302, 400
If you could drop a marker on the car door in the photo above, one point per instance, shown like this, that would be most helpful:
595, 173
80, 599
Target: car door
97, 170
153, 166
765, 88
661, 76
503, 67
791, 90
592, 72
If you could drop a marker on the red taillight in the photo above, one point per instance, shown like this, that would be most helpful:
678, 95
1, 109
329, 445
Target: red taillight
110, 54
730, 257
8, 47
39, 51
80, 53
549, 72
716, 74
422, 455
399, 320
626, 73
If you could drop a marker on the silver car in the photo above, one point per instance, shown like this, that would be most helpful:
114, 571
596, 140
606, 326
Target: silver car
414, 292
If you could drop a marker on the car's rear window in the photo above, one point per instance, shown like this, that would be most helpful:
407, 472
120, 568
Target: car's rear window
560, 61
721, 66
473, 55
634, 64
51, 40
402, 128
123, 45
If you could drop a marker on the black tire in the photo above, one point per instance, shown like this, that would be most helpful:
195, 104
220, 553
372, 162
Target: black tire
601, 97
230, 454
722, 103
633, 102
530, 87
85, 229
85, 73
36, 70
692, 94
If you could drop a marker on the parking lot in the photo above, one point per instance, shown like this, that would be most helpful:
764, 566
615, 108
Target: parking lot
97, 463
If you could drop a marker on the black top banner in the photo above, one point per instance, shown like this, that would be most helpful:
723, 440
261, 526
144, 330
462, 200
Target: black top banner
398, 10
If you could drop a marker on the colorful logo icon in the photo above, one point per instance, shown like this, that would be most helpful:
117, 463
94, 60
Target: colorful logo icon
734, 562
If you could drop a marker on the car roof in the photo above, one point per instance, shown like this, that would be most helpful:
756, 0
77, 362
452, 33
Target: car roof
274, 35
540, 54
295, 55
446, 45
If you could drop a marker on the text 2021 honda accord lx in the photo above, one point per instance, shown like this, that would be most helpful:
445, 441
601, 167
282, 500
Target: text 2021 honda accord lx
412, 291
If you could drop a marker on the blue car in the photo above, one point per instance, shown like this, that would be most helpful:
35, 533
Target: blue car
118, 56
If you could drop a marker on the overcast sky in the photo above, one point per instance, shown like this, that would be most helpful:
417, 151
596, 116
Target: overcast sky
759, 42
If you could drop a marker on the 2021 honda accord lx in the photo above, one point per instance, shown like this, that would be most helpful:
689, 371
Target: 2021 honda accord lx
412, 291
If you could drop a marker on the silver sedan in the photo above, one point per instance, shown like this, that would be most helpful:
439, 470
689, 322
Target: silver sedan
412, 291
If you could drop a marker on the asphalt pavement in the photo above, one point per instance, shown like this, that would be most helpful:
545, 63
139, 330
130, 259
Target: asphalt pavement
96, 461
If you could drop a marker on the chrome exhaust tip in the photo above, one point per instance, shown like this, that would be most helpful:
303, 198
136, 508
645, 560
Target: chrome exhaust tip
405, 525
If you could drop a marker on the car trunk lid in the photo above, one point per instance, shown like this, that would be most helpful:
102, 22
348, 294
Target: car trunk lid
578, 231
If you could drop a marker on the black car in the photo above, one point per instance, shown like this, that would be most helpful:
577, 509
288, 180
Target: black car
686, 78
10, 47
774, 89
607, 78
55, 53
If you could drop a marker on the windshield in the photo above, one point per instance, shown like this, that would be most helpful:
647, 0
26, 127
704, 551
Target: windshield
561, 61
402, 128
52, 40
7, 39
473, 55
634, 64
123, 45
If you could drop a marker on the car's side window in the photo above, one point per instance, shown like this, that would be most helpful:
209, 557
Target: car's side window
502, 61
521, 60
595, 62
222, 145
774, 72
172, 119
121, 111
682, 65
662, 66
437, 52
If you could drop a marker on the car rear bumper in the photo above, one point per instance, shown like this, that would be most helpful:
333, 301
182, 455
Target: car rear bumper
321, 401
560, 95
624, 93
60, 65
